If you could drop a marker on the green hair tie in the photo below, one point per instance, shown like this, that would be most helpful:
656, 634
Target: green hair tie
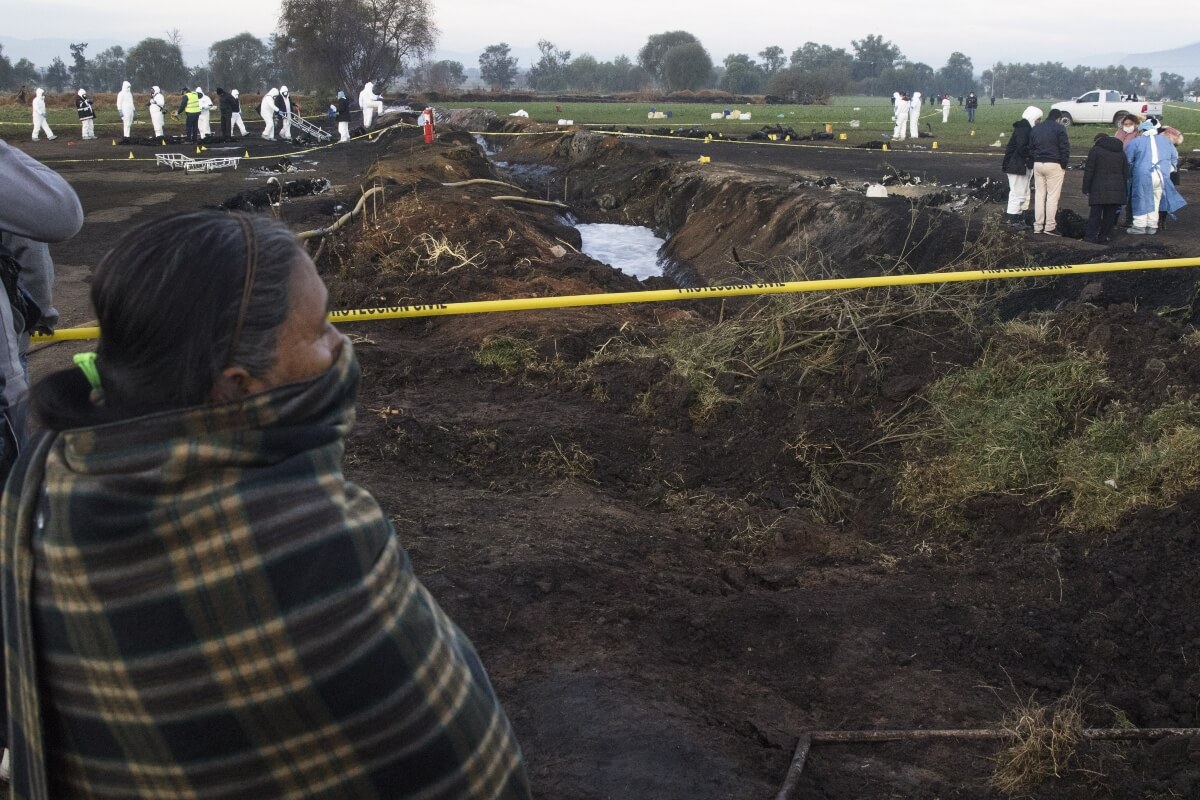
87, 364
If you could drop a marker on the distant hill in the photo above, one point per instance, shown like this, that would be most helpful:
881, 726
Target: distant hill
1184, 61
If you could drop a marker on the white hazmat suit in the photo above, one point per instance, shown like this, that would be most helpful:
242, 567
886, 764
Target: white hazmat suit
204, 124
900, 117
235, 119
914, 115
267, 109
39, 116
125, 106
946, 108
370, 103
157, 105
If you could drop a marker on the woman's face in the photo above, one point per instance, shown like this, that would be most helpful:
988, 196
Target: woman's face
307, 342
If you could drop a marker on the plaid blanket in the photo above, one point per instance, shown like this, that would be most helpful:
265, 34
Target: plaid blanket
197, 604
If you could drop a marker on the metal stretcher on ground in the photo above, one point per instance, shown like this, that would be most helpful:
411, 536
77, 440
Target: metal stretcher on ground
189, 164
306, 126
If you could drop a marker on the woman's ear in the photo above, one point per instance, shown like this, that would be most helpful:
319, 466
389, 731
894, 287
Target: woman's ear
233, 384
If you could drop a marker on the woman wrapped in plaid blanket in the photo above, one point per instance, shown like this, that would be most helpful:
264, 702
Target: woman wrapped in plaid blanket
196, 603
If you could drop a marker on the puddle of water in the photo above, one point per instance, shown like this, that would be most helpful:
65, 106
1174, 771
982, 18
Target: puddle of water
484, 145
629, 248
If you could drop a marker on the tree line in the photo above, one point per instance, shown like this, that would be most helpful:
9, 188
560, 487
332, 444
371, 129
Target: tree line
329, 44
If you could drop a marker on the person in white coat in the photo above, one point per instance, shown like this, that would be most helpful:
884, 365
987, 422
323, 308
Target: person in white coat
900, 116
235, 119
157, 106
370, 103
205, 121
914, 115
945, 108
284, 103
125, 106
267, 110
39, 116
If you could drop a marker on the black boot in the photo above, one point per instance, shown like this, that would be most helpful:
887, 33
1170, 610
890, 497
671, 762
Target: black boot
1015, 222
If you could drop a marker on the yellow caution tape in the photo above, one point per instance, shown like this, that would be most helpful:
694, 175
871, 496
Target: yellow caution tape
735, 290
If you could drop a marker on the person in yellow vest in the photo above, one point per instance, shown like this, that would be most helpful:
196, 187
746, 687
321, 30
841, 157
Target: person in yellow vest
189, 105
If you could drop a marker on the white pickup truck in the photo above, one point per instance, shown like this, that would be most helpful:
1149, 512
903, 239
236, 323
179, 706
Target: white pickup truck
1105, 105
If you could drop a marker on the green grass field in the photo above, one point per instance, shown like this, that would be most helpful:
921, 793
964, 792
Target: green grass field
872, 113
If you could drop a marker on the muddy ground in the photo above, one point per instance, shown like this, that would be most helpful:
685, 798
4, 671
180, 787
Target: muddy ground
662, 607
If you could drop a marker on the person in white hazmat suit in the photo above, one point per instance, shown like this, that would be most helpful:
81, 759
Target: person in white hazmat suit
235, 119
900, 116
914, 115
370, 103
267, 109
205, 121
157, 106
39, 116
125, 106
945, 108
284, 103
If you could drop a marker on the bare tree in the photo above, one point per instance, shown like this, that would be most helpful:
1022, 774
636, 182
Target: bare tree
346, 43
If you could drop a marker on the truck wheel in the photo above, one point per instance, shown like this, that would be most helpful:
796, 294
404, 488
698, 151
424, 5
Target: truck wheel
1120, 115
1065, 120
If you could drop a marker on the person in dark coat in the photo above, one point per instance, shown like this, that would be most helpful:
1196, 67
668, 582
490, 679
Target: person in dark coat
972, 104
342, 109
1105, 184
228, 106
1018, 166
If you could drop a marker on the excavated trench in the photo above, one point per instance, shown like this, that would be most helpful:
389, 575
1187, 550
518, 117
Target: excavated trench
721, 224
724, 224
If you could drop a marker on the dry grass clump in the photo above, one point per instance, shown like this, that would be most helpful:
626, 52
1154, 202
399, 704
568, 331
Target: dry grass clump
804, 337
427, 254
568, 463
1120, 463
997, 426
728, 524
817, 489
1043, 743
507, 354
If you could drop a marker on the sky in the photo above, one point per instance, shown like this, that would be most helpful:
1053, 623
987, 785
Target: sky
923, 29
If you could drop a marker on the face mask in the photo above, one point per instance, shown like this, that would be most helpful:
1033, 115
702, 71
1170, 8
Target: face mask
1128, 128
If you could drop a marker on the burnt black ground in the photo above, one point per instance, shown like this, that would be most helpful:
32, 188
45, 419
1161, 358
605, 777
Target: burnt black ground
638, 653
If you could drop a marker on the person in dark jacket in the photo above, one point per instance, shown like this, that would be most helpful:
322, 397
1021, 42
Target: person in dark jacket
1051, 152
87, 114
1018, 166
1105, 183
342, 104
228, 106
972, 104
